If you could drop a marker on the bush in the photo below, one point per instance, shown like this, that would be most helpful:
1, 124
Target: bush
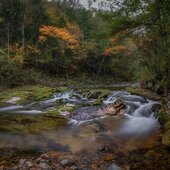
12, 75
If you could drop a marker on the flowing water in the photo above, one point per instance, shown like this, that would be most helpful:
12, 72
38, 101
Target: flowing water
84, 130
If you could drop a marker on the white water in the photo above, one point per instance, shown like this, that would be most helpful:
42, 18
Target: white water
137, 122
10, 108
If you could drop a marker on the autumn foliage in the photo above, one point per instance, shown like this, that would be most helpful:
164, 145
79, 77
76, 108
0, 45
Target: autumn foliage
61, 33
19, 54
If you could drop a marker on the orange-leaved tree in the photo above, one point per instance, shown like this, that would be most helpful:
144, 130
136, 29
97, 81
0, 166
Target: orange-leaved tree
62, 34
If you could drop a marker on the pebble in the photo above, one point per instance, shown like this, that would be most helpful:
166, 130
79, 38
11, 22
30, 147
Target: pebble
44, 156
29, 164
39, 160
44, 166
66, 162
74, 167
22, 162
114, 167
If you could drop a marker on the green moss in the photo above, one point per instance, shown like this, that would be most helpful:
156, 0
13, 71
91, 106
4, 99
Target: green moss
21, 93
61, 89
29, 124
103, 93
166, 135
53, 112
41, 93
163, 116
30, 93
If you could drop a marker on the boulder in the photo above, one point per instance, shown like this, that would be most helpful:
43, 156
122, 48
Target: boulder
116, 108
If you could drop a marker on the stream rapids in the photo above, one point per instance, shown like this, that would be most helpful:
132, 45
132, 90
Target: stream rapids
137, 128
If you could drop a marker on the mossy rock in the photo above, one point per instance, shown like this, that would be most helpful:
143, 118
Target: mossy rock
27, 93
166, 135
163, 116
62, 108
30, 93
98, 94
41, 93
29, 124
22, 96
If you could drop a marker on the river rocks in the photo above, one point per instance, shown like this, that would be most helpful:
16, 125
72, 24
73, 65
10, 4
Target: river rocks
156, 107
44, 166
91, 112
29, 164
116, 108
22, 162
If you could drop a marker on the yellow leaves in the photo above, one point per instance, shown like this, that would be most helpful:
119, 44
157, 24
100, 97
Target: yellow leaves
32, 50
18, 53
61, 33
115, 50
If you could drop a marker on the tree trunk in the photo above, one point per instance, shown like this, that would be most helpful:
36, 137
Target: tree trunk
8, 40
100, 68
23, 32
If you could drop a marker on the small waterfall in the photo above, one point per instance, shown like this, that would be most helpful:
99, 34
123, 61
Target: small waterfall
139, 116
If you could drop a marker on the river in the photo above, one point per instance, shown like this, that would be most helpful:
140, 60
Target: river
83, 126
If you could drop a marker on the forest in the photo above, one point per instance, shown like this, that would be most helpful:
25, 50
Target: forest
78, 61
61, 38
